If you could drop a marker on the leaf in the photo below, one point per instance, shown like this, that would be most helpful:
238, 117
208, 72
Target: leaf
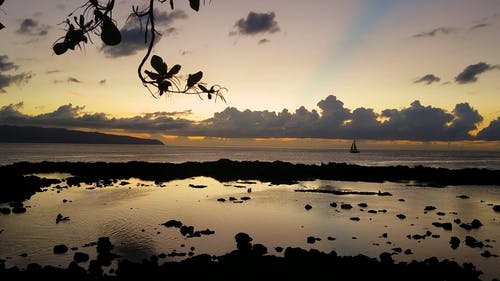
152, 75
60, 48
163, 86
209, 96
2, 26
1, 2
158, 65
174, 70
110, 34
172, 4
195, 4
203, 88
194, 78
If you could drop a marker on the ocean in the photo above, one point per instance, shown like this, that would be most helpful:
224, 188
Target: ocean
131, 211
451, 159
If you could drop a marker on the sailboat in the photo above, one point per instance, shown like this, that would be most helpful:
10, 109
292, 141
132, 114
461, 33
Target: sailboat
354, 148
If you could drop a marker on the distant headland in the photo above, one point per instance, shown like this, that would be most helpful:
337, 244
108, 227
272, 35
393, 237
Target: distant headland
29, 134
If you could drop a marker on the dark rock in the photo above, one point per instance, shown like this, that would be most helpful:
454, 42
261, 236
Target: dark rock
331, 238
173, 223
18, 210
429, 208
372, 211
278, 249
311, 239
386, 258
346, 206
104, 245
435, 236
5, 210
363, 205
80, 257
232, 198
187, 230
197, 185
496, 208
457, 221
463, 196
220, 200
308, 207
397, 250
444, 225
454, 242
487, 254
401, 216
245, 198
354, 219
60, 218
408, 252
440, 214
473, 243
475, 224
60, 249
333, 204
384, 235
418, 237
401, 200
259, 250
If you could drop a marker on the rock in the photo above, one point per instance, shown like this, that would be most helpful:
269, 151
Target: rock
444, 225
346, 206
278, 249
473, 243
173, 223
372, 211
18, 210
401, 200
333, 204
397, 250
330, 238
232, 198
429, 208
311, 239
197, 185
363, 205
354, 219
386, 258
259, 250
463, 196
308, 207
496, 208
60, 249
220, 200
80, 257
408, 252
454, 242
474, 224
487, 254
5, 211
104, 245
440, 214
401, 216
61, 218
457, 221
245, 198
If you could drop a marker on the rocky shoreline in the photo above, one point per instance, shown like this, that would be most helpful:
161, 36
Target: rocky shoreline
248, 261
19, 175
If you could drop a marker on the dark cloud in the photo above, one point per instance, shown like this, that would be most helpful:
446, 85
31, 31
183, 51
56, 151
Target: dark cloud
469, 74
9, 79
256, 23
133, 36
73, 80
492, 132
263, 41
32, 28
428, 79
435, 32
332, 120
479, 25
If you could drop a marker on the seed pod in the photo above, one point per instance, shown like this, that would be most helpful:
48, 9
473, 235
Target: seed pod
60, 48
110, 34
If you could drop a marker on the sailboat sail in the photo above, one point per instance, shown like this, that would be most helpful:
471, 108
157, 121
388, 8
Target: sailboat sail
354, 148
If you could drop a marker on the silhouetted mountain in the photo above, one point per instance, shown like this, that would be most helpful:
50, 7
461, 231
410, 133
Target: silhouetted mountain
59, 135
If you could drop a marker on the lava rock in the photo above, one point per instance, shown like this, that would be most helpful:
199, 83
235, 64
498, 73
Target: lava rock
60, 249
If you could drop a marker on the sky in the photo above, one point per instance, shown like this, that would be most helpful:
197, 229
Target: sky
389, 71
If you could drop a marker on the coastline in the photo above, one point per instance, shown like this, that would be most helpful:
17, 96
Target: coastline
295, 262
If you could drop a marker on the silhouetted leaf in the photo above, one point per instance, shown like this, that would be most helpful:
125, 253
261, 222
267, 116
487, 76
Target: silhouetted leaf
110, 34
163, 86
172, 4
174, 70
152, 75
2, 26
1, 2
158, 65
60, 48
195, 4
194, 78
209, 96
203, 88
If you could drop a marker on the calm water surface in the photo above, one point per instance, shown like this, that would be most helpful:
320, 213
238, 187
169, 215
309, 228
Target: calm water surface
131, 214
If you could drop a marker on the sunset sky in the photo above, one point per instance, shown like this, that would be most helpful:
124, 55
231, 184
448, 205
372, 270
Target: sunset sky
379, 70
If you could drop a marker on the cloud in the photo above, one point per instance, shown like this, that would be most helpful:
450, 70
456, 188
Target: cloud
133, 36
102, 82
256, 23
263, 41
73, 80
9, 79
330, 120
32, 28
468, 75
492, 132
435, 32
428, 79
479, 25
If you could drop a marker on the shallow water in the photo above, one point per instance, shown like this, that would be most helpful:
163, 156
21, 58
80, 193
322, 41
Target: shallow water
131, 215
